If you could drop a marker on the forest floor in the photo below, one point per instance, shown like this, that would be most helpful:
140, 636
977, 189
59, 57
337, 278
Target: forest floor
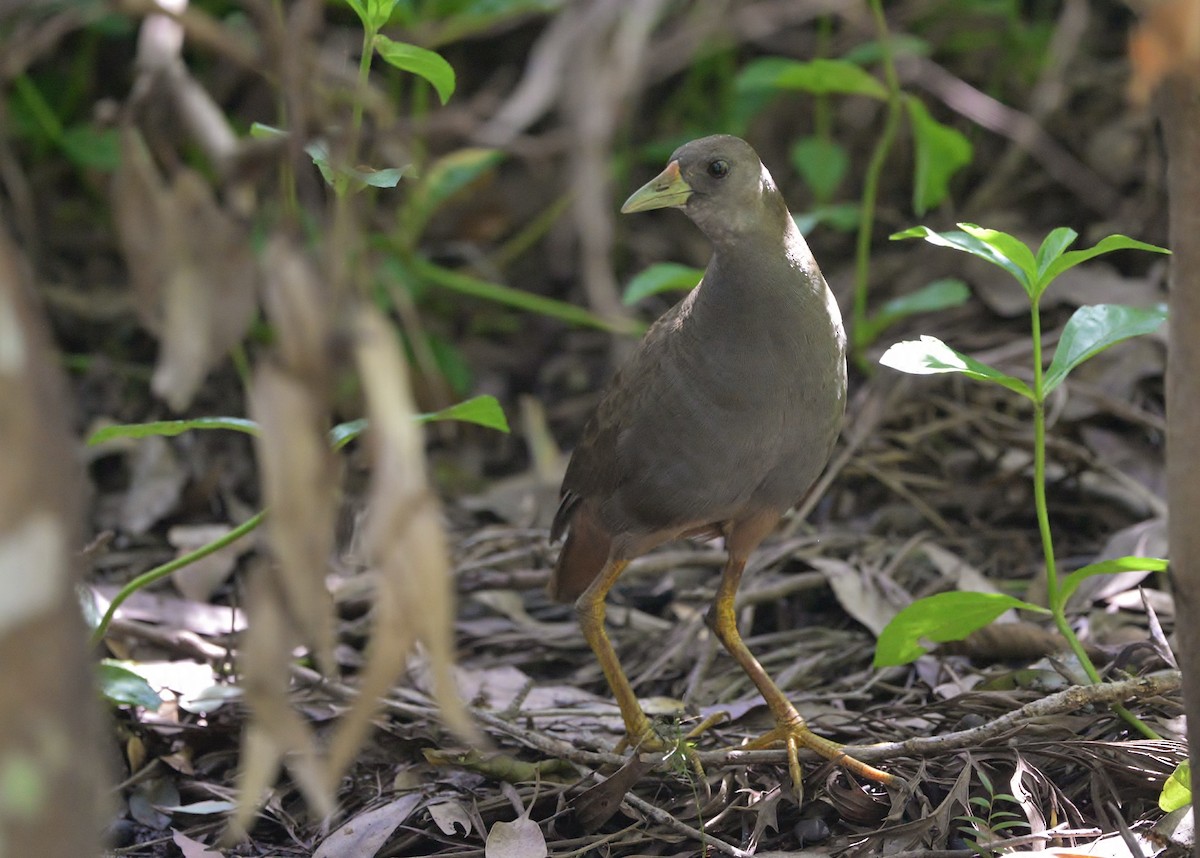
930, 488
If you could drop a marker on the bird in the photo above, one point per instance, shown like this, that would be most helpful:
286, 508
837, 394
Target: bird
718, 423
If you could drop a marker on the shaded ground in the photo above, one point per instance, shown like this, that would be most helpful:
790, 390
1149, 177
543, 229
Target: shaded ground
928, 491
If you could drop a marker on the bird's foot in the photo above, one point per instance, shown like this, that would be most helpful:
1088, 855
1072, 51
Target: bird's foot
676, 749
794, 734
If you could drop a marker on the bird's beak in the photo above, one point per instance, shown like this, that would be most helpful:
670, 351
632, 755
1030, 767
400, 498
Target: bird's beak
665, 190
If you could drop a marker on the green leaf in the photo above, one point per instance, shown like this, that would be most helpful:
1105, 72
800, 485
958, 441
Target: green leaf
170, 428
353, 177
968, 243
940, 618
93, 148
481, 410
1011, 248
419, 61
360, 10
122, 686
1095, 327
517, 298
661, 277
929, 355
1108, 567
379, 12
1053, 247
819, 77
938, 295
1107, 245
261, 131
822, 164
1177, 791
343, 433
449, 175
940, 152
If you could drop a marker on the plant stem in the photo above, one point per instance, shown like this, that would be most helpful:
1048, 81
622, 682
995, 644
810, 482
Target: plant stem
866, 224
159, 572
1053, 592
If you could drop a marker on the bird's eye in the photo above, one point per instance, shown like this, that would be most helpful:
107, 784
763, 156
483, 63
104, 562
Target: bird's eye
719, 168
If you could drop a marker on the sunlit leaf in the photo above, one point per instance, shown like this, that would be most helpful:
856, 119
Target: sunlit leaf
929, 355
661, 277
170, 428
940, 152
1008, 247
1177, 791
1053, 246
1095, 327
819, 77
420, 61
1108, 567
481, 410
262, 131
938, 295
964, 241
940, 618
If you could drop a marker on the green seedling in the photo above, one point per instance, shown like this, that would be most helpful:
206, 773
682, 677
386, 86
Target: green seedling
1091, 330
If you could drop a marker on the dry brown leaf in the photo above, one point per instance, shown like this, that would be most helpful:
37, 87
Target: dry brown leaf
366, 833
404, 540
190, 265
275, 734
298, 306
156, 481
299, 483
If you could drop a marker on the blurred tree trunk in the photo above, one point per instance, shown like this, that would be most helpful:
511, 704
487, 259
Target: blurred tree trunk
1179, 109
51, 780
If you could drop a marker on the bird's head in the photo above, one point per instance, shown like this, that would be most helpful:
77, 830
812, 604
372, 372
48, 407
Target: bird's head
720, 184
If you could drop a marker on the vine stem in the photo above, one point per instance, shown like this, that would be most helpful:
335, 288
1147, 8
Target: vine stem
1053, 590
159, 572
866, 224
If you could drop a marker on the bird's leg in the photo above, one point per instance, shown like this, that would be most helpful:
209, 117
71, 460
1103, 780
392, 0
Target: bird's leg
589, 607
790, 728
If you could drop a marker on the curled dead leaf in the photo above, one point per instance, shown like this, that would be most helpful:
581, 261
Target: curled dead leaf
299, 480
190, 265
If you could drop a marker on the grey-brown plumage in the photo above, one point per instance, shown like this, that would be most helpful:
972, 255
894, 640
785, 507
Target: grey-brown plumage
731, 404
719, 423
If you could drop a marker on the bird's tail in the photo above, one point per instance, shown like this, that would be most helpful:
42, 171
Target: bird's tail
582, 557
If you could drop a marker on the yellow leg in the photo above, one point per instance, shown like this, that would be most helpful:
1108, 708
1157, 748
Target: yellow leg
790, 727
590, 609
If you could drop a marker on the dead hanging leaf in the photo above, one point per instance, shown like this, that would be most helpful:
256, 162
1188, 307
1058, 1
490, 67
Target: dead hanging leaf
276, 733
298, 306
1166, 42
190, 264
299, 482
403, 538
